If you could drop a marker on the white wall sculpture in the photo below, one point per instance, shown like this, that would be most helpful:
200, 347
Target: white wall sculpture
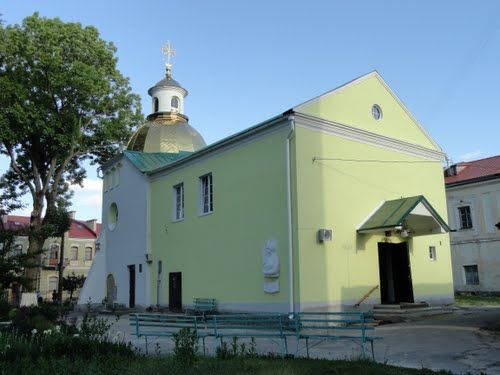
271, 266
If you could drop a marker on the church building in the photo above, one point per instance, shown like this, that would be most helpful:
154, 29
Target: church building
337, 200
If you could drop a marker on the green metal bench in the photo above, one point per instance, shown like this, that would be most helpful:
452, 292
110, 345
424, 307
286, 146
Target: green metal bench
166, 325
333, 326
249, 325
202, 306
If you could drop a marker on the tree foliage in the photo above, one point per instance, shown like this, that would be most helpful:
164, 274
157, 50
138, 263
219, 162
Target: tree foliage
72, 282
62, 102
13, 260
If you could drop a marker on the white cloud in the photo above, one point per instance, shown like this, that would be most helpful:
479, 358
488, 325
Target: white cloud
470, 155
89, 185
87, 201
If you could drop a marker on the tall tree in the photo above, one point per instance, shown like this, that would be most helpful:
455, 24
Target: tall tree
62, 101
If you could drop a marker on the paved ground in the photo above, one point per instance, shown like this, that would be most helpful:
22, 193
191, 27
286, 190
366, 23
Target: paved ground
455, 342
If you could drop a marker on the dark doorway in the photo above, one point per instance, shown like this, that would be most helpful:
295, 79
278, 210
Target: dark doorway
175, 291
131, 285
395, 273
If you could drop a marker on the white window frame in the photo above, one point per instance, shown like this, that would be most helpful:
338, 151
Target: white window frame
432, 253
206, 194
178, 202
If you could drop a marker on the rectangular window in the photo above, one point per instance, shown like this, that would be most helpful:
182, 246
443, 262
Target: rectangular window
18, 250
53, 281
207, 194
73, 255
471, 275
140, 268
432, 253
179, 202
88, 253
465, 217
160, 268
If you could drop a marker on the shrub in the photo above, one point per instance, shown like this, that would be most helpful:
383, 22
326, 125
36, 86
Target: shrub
53, 344
94, 327
185, 346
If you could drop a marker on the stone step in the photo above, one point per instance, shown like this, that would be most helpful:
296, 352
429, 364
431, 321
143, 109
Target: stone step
401, 306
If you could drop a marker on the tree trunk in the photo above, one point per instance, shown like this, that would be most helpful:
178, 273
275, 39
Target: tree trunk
61, 272
36, 242
32, 271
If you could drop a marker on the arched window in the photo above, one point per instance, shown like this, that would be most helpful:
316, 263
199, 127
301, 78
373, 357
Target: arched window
53, 281
156, 104
88, 253
174, 102
54, 251
73, 254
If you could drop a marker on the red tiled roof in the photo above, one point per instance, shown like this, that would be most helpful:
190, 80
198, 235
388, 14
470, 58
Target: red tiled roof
79, 229
16, 222
473, 170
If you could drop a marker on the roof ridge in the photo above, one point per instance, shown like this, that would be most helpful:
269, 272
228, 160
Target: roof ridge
478, 160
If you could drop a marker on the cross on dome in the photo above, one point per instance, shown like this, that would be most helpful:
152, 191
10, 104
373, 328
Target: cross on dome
168, 51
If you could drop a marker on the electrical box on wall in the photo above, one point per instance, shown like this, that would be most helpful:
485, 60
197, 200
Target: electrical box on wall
325, 235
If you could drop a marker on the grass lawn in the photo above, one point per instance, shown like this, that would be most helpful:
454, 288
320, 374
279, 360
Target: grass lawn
463, 300
168, 365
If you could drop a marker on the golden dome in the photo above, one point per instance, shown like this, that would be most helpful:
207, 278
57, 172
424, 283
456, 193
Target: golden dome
166, 132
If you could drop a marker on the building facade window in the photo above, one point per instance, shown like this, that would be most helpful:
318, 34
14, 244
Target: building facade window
376, 112
156, 105
18, 250
206, 194
432, 253
88, 253
471, 275
179, 202
112, 216
174, 102
53, 281
465, 217
54, 251
73, 255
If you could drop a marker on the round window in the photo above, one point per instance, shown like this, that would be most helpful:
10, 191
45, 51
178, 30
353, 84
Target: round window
376, 112
112, 216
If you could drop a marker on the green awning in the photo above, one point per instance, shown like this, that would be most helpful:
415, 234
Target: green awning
414, 215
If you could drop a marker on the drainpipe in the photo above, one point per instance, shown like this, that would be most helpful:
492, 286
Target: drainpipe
289, 209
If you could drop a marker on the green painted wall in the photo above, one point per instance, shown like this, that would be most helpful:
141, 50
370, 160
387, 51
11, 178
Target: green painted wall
340, 195
352, 106
219, 254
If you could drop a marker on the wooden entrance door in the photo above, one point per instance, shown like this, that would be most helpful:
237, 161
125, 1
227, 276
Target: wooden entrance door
395, 273
175, 291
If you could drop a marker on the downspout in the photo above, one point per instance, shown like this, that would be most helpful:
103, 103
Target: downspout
289, 209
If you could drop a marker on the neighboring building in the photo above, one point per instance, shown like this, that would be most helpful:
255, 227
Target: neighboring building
473, 193
311, 209
79, 251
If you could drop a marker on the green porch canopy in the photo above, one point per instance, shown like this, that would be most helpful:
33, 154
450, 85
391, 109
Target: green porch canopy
411, 216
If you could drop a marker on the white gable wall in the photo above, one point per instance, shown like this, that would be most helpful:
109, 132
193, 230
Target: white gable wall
127, 243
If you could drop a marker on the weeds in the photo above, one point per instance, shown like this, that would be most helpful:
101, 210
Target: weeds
185, 346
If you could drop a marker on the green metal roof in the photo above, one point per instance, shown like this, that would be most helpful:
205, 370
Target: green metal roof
393, 213
148, 161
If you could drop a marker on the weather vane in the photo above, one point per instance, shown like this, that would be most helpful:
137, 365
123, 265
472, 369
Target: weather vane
168, 51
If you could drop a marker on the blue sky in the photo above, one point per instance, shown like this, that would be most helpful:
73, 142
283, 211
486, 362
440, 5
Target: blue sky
244, 62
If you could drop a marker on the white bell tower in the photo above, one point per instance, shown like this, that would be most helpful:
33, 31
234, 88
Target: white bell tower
168, 95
